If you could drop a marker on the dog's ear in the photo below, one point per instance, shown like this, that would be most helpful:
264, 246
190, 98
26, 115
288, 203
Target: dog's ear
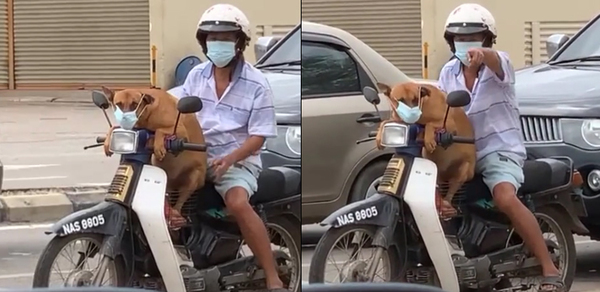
385, 89
425, 91
147, 98
109, 93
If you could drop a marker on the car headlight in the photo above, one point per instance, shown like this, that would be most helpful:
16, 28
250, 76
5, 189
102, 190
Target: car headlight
590, 131
293, 139
394, 135
287, 143
123, 141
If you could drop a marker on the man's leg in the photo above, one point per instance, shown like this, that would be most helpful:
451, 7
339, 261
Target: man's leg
237, 185
504, 177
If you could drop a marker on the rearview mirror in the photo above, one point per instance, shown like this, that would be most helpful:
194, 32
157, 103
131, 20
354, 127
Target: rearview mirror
458, 98
100, 100
371, 95
554, 42
264, 44
189, 104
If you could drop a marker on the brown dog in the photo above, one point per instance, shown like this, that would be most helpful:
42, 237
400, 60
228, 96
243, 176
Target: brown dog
157, 111
456, 164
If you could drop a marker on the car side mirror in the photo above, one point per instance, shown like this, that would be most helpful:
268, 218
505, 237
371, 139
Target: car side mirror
189, 104
458, 98
371, 95
554, 42
264, 44
100, 100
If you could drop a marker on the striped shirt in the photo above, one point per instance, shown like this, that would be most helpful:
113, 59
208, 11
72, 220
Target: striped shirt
245, 109
493, 110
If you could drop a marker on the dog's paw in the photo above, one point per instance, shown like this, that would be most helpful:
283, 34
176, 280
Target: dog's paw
160, 153
378, 143
430, 145
107, 149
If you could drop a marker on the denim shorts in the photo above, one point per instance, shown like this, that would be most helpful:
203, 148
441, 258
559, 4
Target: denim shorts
239, 175
499, 167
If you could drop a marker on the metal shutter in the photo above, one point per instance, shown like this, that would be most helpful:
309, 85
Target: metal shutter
536, 34
273, 30
3, 45
81, 43
391, 27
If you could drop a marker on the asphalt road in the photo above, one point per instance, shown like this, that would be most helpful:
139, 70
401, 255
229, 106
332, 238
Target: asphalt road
41, 145
20, 247
588, 264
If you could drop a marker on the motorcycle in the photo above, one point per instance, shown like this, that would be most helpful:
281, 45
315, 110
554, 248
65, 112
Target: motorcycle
129, 234
477, 250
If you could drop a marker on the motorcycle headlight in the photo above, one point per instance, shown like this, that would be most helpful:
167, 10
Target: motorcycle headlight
394, 135
287, 143
590, 131
123, 141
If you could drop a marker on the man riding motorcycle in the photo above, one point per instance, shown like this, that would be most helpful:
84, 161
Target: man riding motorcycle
237, 116
489, 76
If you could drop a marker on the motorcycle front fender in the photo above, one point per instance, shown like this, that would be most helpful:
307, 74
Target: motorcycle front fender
379, 210
107, 218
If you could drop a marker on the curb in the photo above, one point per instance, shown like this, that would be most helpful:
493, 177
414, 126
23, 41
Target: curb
46, 205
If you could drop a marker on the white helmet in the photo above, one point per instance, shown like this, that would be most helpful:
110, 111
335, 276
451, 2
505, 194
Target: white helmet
469, 18
223, 18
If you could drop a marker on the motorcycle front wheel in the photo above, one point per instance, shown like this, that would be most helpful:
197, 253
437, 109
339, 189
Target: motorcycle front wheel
354, 267
76, 250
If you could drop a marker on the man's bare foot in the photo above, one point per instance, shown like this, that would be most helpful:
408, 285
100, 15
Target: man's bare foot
174, 218
275, 285
446, 210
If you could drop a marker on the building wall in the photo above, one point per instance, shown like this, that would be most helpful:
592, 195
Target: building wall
173, 27
523, 26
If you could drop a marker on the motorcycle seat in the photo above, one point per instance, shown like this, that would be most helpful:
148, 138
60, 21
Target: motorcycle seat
274, 183
544, 174
540, 175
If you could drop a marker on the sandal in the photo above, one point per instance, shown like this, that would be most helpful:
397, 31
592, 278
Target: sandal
554, 281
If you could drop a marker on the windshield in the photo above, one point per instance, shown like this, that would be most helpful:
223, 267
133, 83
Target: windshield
585, 45
288, 51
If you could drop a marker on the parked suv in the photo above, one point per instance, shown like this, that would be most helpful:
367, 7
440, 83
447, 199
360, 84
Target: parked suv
559, 101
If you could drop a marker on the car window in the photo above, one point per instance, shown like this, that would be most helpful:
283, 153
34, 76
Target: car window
287, 51
585, 45
327, 70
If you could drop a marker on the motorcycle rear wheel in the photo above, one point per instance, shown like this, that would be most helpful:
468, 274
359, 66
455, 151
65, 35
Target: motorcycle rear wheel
561, 227
44, 267
329, 241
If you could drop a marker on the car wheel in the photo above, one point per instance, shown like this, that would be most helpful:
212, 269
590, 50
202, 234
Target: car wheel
367, 181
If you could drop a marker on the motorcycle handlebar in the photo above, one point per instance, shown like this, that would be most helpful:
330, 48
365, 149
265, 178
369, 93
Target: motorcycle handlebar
193, 147
444, 139
175, 146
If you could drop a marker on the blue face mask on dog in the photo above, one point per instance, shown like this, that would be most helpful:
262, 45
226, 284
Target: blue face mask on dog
410, 115
127, 120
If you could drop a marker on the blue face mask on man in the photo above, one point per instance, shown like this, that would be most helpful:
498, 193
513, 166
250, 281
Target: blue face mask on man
220, 53
410, 115
461, 50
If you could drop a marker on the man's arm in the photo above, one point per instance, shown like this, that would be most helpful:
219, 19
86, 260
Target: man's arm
498, 63
261, 125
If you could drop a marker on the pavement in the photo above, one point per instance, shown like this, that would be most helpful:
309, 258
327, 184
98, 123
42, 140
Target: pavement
41, 145
41, 148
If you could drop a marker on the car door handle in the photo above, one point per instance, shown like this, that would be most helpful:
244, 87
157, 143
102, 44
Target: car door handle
368, 118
